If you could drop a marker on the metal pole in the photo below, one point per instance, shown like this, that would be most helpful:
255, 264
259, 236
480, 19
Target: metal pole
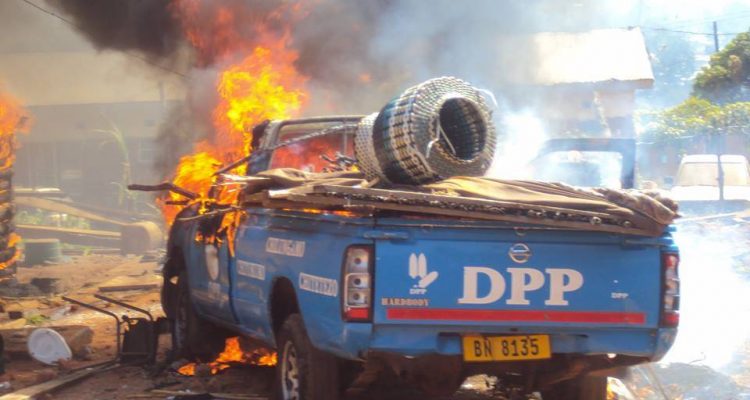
719, 135
716, 37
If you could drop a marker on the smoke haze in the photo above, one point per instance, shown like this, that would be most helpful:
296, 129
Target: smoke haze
143, 25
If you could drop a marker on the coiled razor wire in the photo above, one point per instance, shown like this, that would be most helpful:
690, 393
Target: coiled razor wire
364, 149
437, 129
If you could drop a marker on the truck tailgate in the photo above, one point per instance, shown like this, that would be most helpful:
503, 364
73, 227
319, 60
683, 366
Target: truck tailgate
473, 285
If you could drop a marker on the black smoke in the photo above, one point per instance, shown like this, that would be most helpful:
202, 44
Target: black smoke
356, 53
147, 26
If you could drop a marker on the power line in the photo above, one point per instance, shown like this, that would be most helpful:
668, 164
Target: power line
689, 32
131, 54
726, 17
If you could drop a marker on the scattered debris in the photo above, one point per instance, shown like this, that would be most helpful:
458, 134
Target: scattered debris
48, 347
42, 251
125, 283
14, 324
682, 381
77, 338
15, 314
47, 285
33, 392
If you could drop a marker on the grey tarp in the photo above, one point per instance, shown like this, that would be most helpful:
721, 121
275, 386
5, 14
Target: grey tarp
644, 211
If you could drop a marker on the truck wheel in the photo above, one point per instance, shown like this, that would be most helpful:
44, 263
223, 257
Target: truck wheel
304, 372
192, 337
582, 388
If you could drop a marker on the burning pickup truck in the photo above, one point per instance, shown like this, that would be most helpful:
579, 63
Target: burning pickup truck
396, 269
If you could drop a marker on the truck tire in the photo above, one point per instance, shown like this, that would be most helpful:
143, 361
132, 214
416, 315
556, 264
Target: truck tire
582, 388
304, 372
193, 337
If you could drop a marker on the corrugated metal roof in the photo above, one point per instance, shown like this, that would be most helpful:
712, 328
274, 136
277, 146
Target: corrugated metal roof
603, 56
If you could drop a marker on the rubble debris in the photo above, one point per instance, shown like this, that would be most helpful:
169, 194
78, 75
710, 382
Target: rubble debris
48, 347
47, 285
59, 312
12, 288
42, 251
683, 381
77, 337
33, 392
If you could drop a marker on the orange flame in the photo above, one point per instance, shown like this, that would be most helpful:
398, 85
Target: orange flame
233, 353
13, 119
264, 84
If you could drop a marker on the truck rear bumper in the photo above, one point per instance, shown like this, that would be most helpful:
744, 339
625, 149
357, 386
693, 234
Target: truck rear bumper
417, 341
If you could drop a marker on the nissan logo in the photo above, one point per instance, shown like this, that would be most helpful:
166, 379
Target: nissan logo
519, 253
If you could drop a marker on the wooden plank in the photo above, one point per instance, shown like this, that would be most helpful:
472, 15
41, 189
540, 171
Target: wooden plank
123, 283
85, 237
32, 392
403, 195
559, 224
63, 207
123, 288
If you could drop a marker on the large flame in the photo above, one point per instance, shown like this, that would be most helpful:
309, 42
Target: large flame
13, 119
233, 354
263, 84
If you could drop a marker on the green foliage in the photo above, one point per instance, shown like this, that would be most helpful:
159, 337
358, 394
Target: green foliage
726, 78
36, 319
696, 116
720, 103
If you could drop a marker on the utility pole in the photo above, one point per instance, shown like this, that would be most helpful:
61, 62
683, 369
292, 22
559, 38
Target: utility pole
719, 143
716, 37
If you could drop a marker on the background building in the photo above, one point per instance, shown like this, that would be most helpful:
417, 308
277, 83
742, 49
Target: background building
82, 101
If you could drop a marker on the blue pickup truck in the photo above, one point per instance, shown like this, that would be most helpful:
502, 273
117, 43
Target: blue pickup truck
348, 299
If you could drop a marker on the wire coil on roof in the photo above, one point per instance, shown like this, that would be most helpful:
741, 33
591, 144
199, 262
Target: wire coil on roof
437, 129
364, 150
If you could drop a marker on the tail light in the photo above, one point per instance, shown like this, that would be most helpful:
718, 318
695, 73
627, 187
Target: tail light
670, 316
357, 272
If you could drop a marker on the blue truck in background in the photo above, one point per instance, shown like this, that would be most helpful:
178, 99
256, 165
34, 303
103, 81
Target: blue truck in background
347, 300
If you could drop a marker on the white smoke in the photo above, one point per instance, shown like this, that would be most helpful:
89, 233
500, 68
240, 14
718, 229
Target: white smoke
715, 305
521, 137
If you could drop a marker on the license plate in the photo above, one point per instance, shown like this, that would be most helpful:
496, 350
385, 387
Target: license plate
506, 348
